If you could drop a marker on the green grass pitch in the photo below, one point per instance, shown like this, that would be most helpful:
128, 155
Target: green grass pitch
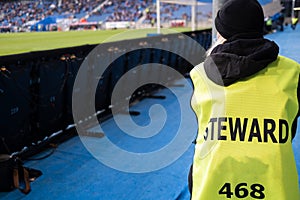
16, 43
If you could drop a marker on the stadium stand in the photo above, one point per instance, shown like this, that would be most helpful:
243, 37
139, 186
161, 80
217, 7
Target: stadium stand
20, 13
18, 16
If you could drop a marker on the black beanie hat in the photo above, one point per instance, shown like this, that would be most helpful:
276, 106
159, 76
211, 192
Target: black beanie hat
239, 17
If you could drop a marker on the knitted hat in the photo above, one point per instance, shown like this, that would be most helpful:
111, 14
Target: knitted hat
238, 17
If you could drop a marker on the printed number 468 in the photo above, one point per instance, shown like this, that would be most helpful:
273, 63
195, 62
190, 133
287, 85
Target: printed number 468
241, 191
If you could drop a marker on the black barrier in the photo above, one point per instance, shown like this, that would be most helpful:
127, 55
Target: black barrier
51, 102
36, 88
73, 63
16, 107
33, 94
102, 96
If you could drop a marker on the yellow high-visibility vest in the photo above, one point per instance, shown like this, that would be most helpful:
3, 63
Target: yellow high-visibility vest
244, 148
269, 22
294, 20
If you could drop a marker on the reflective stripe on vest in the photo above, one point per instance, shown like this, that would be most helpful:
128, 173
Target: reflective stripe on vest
244, 148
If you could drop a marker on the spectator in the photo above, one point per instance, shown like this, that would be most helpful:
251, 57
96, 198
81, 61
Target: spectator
280, 21
294, 22
268, 24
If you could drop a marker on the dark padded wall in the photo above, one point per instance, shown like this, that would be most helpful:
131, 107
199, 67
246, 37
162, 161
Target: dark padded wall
36, 88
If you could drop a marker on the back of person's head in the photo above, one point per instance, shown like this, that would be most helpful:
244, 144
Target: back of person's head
240, 17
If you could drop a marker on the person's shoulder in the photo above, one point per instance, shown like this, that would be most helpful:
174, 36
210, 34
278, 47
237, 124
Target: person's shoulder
287, 59
196, 71
288, 62
197, 68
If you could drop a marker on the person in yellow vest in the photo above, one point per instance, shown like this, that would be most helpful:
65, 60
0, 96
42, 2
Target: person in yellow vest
246, 99
294, 22
268, 24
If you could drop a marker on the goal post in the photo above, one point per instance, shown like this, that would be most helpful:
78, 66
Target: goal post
192, 3
217, 4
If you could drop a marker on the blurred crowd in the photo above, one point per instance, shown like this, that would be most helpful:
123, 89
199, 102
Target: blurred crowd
129, 10
16, 13
21, 13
